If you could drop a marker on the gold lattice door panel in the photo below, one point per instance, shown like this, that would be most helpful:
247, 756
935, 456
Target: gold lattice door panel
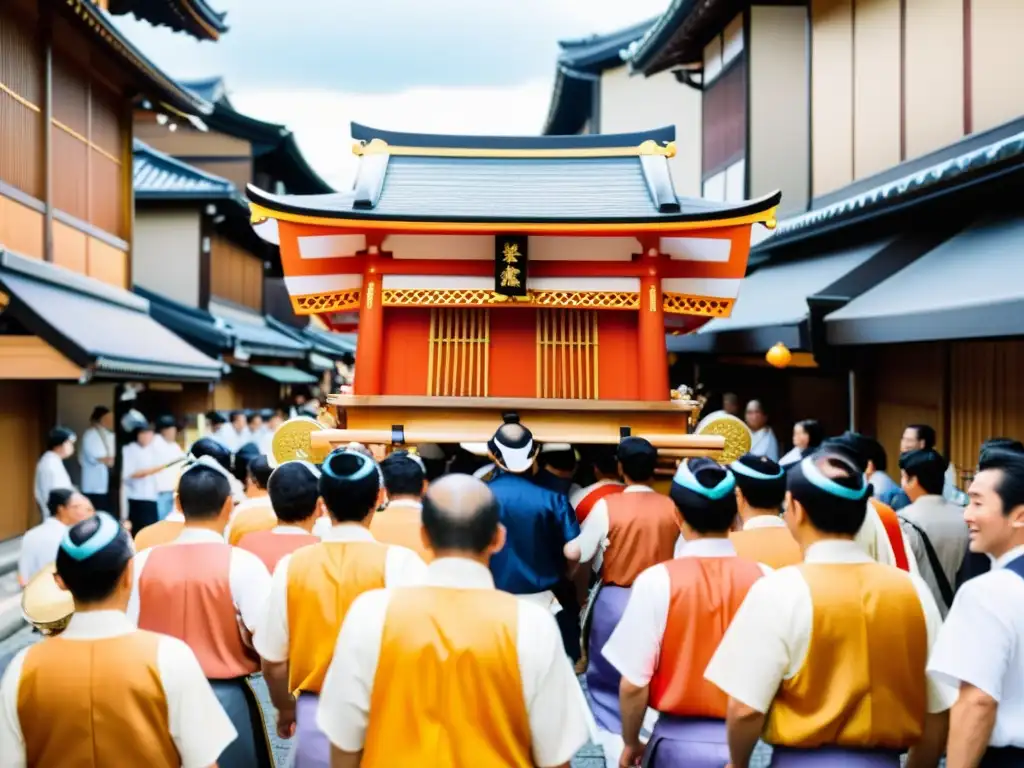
459, 352
567, 354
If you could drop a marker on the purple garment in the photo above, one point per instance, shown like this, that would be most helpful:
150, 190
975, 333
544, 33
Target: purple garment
312, 749
690, 742
602, 677
834, 757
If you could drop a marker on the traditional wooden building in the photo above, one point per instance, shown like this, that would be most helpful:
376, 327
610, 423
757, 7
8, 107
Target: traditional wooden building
895, 278
201, 267
68, 85
194, 17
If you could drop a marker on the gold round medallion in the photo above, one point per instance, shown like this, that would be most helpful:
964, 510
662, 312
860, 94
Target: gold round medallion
291, 442
46, 606
736, 433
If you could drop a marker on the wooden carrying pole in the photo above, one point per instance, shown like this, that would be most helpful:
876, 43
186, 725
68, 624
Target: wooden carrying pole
682, 445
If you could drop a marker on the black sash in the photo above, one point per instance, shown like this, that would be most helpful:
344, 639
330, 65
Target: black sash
933, 561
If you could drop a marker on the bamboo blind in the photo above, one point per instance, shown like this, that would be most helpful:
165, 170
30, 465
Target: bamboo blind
459, 353
567, 354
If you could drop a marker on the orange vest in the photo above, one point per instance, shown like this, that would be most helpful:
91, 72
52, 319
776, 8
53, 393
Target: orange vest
705, 593
643, 528
870, 613
185, 592
160, 532
401, 526
251, 520
891, 522
83, 703
773, 546
453, 653
270, 547
323, 581
592, 497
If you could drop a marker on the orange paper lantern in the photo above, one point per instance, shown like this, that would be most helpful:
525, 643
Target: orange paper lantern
779, 356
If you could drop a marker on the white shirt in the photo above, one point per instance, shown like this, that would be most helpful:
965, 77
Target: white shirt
554, 701
793, 455
578, 494
402, 567
257, 502
51, 474
982, 644
874, 540
265, 442
779, 613
97, 443
197, 722
763, 443
166, 451
635, 645
247, 575
594, 531
135, 458
226, 436
39, 547
764, 521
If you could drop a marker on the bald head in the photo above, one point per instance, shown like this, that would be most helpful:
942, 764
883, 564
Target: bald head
460, 514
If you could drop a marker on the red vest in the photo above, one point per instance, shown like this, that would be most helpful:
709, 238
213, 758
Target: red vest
270, 547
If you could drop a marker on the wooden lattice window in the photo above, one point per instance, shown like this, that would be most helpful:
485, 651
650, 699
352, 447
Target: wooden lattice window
567, 354
459, 352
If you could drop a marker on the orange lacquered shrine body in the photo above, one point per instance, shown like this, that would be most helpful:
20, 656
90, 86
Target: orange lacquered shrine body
536, 274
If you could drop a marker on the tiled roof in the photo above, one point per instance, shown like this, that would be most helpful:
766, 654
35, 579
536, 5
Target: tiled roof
195, 17
923, 182
157, 176
212, 89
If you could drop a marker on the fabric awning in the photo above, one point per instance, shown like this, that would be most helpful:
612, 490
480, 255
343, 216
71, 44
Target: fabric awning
97, 326
284, 374
772, 304
971, 286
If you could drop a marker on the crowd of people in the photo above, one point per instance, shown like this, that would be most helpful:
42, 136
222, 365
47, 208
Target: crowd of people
429, 609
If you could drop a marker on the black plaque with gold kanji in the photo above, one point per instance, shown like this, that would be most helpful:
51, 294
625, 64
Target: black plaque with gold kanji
510, 265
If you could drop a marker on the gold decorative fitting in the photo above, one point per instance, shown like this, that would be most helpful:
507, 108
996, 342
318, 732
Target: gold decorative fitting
336, 301
647, 148
705, 306
652, 296
371, 289
439, 297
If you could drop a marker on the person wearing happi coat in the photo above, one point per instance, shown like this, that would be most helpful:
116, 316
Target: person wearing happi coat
293, 489
630, 532
825, 660
677, 613
312, 591
760, 490
168, 529
103, 692
607, 480
880, 535
538, 523
399, 523
452, 672
211, 595
256, 512
980, 649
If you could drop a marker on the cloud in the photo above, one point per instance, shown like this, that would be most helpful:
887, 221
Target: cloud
321, 118
386, 46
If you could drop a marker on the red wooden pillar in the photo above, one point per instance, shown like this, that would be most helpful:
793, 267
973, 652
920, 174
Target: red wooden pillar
652, 353
369, 373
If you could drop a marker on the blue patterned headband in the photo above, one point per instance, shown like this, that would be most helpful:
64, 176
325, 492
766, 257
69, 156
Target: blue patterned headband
105, 533
366, 466
685, 478
742, 469
815, 477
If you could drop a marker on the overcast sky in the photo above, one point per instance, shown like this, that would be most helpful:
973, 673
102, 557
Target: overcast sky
455, 66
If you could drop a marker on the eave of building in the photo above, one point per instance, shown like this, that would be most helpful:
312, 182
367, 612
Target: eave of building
194, 17
272, 143
580, 61
158, 176
925, 182
153, 82
678, 37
